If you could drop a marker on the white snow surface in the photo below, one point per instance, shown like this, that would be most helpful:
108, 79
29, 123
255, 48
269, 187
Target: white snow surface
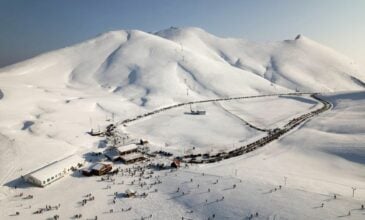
223, 127
48, 103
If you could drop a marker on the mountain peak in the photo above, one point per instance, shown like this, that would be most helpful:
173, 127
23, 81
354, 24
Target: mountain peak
133, 60
182, 32
298, 37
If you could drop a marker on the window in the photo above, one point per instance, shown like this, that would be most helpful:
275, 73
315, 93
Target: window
44, 182
48, 180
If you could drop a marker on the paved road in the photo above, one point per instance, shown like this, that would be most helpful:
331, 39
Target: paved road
272, 134
127, 121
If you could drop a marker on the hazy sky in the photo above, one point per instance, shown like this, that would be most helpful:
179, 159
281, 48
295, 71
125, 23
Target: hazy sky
30, 27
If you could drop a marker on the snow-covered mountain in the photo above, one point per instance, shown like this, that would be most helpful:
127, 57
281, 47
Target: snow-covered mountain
296, 64
159, 67
48, 103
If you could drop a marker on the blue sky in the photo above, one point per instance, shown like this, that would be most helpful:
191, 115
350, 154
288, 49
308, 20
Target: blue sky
28, 28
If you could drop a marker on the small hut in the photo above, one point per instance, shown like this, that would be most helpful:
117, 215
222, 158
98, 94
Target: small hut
86, 172
101, 169
130, 193
175, 163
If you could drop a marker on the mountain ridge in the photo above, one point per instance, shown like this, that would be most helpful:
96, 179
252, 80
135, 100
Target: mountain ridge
167, 63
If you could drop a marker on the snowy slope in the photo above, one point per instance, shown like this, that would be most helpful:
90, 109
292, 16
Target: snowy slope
321, 158
154, 69
301, 63
49, 102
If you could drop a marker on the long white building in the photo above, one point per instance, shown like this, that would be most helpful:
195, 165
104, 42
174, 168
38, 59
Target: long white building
54, 171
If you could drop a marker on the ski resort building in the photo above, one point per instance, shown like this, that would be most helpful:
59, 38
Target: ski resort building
112, 154
54, 171
127, 153
101, 169
132, 158
127, 149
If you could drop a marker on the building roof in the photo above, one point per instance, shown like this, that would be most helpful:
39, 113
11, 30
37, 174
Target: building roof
112, 154
132, 156
130, 191
126, 148
56, 167
98, 166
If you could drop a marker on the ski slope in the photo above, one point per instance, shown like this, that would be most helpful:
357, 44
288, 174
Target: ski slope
50, 102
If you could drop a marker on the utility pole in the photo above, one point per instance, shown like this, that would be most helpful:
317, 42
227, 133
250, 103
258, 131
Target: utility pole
353, 191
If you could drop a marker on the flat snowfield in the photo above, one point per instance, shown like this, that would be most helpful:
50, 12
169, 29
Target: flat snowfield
270, 112
223, 127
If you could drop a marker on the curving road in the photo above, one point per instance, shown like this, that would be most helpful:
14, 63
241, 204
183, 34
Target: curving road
127, 121
272, 134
